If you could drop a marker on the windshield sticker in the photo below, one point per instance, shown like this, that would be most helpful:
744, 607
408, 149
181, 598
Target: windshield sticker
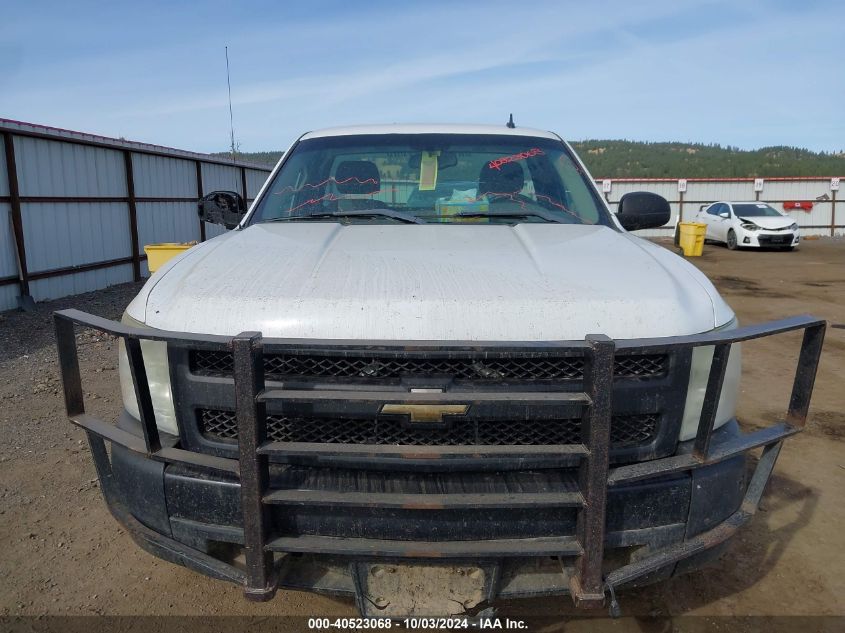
497, 163
428, 171
762, 206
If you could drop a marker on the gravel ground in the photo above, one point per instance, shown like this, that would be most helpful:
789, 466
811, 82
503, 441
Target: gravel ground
64, 554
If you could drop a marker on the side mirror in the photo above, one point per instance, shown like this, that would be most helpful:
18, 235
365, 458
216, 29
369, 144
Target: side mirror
725, 214
222, 207
643, 210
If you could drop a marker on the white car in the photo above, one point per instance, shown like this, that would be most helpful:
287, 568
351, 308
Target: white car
748, 224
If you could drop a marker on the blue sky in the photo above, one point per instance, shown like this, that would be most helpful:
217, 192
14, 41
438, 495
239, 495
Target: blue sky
750, 74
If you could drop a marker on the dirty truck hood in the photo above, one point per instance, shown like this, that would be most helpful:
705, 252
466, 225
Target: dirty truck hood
433, 282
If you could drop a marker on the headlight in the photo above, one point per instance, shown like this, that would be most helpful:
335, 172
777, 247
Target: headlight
158, 377
702, 358
793, 226
749, 226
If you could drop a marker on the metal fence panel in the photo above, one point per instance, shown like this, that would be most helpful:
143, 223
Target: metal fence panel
779, 191
77, 283
162, 177
4, 180
59, 169
818, 216
619, 188
699, 192
77, 206
166, 222
60, 234
254, 181
8, 263
795, 189
9, 293
222, 178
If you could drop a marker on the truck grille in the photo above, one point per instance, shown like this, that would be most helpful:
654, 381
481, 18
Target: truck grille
625, 431
210, 363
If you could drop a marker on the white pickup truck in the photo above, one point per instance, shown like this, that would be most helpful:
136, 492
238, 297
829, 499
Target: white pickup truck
430, 368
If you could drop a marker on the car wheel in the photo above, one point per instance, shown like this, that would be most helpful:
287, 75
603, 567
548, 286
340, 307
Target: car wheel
732, 245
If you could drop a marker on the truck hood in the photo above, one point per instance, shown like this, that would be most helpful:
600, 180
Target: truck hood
768, 222
527, 282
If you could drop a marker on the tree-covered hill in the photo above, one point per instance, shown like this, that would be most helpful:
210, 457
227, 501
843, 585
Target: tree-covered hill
628, 159
633, 159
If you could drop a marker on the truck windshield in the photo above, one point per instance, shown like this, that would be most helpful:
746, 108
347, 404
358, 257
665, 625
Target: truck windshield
431, 178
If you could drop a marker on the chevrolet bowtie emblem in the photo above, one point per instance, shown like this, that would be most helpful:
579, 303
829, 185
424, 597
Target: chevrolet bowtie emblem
425, 412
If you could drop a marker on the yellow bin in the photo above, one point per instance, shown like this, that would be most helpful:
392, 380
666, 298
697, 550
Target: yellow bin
159, 254
692, 238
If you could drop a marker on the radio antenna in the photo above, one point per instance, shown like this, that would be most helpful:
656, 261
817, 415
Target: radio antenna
231, 119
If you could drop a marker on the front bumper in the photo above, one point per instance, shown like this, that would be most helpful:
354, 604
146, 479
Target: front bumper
188, 508
767, 239
602, 526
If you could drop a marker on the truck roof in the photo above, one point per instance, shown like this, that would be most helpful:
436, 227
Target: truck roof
429, 128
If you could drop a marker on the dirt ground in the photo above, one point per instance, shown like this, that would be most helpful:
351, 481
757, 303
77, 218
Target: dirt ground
62, 553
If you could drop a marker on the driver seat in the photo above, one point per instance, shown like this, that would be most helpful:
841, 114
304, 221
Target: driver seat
503, 184
355, 180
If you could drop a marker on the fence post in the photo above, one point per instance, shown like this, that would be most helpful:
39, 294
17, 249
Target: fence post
133, 214
833, 213
680, 206
17, 219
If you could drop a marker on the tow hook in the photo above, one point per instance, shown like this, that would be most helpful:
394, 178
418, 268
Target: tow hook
613, 608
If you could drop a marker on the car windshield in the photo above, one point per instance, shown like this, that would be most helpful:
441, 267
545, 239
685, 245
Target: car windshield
431, 178
756, 210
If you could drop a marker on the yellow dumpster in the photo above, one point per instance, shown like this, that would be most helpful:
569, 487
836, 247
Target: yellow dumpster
159, 254
692, 238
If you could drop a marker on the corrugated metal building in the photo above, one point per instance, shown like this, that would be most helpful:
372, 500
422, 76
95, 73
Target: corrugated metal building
77, 209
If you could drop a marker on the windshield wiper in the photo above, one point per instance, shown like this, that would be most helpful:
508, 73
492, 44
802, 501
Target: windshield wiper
386, 213
549, 217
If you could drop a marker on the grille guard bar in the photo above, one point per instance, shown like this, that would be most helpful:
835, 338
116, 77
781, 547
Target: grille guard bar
588, 586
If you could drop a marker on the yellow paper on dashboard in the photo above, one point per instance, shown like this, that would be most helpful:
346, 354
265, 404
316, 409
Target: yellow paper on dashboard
428, 171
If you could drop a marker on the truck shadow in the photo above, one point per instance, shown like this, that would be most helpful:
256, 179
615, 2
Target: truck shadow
753, 554
786, 508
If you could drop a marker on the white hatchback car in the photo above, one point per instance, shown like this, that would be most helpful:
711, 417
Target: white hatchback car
742, 224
